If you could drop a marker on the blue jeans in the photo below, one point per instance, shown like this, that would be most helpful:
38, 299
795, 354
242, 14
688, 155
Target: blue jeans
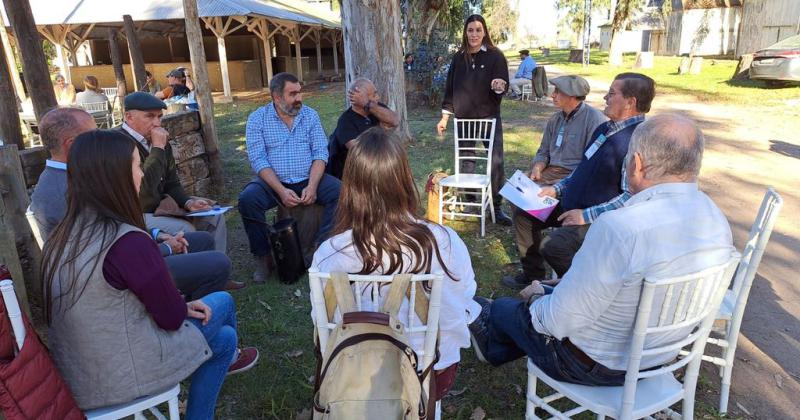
511, 336
257, 197
220, 334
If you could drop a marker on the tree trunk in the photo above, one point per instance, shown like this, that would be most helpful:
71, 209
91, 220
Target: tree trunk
135, 50
622, 14
34, 64
197, 55
10, 130
372, 49
428, 38
116, 62
11, 61
742, 71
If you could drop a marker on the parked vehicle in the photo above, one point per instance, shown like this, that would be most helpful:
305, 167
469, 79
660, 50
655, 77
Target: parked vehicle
778, 64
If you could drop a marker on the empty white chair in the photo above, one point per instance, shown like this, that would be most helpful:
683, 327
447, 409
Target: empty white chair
474, 141
733, 305
323, 325
665, 305
112, 94
100, 113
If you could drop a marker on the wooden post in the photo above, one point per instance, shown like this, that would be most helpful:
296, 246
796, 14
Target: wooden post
299, 61
62, 61
335, 42
15, 204
11, 61
318, 39
267, 49
10, 130
197, 54
34, 65
116, 62
135, 50
223, 66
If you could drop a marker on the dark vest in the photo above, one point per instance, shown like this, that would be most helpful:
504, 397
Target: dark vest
598, 179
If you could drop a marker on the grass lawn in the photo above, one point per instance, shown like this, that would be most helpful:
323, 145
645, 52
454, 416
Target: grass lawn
713, 84
276, 317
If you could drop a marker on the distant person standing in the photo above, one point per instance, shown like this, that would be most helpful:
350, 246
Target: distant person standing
524, 74
476, 83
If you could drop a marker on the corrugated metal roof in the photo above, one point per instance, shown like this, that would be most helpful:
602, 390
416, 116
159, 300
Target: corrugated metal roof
50, 12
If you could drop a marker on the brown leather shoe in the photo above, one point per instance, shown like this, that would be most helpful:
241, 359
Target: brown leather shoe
234, 285
264, 267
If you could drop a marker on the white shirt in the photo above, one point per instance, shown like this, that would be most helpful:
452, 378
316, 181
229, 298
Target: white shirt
668, 229
458, 309
140, 138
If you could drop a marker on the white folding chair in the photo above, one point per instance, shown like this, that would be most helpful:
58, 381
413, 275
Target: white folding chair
733, 305
100, 112
474, 141
137, 407
371, 299
37, 234
666, 306
112, 94
527, 92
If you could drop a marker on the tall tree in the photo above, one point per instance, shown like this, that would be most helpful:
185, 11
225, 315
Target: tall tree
372, 49
573, 14
622, 16
501, 20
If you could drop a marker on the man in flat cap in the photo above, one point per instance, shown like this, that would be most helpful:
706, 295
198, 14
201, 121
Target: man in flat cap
161, 189
180, 84
596, 185
524, 73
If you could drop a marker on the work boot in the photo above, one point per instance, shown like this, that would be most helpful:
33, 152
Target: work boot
265, 265
520, 281
500, 217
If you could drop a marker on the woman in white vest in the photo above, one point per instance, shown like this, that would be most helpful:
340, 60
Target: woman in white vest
378, 232
119, 328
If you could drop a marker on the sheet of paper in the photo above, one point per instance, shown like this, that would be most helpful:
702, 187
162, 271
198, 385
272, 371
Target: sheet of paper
211, 212
524, 193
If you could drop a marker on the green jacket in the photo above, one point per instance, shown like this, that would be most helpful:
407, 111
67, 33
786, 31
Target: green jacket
160, 176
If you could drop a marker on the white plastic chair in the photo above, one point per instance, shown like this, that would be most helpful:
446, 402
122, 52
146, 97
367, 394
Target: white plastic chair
112, 94
370, 284
474, 141
37, 234
14, 312
527, 92
100, 112
666, 305
735, 300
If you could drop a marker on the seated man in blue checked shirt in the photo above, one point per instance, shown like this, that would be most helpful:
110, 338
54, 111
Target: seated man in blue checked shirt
597, 185
288, 151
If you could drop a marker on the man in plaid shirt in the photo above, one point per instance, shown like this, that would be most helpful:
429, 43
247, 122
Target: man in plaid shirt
288, 151
597, 185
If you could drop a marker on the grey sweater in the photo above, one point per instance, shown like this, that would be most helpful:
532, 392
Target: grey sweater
578, 130
49, 200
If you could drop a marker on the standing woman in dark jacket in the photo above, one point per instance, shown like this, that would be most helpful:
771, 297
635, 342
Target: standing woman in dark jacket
476, 83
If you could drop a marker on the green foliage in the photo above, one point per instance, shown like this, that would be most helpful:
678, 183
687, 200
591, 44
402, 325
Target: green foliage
573, 15
501, 20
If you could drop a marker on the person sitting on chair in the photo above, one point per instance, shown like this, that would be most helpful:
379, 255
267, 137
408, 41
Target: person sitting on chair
118, 327
92, 93
288, 151
581, 332
378, 232
161, 189
365, 112
598, 184
567, 132
524, 74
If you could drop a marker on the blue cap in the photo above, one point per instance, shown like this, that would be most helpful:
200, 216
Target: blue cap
143, 101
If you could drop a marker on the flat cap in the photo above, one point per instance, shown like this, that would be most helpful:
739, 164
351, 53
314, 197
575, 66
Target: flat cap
180, 73
571, 85
143, 101
524, 52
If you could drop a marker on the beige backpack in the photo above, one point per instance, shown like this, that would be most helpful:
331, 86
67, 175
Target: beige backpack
369, 369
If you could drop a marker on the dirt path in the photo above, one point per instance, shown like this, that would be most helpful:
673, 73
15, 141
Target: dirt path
748, 149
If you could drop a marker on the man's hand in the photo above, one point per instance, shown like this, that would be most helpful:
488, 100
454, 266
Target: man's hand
536, 174
309, 195
199, 310
159, 137
357, 97
547, 192
442, 125
197, 204
572, 218
289, 198
498, 85
177, 243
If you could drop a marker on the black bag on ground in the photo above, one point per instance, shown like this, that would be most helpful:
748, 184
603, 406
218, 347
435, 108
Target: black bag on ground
286, 249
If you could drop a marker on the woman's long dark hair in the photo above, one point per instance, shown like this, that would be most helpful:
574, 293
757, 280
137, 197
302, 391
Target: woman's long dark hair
487, 40
100, 197
379, 203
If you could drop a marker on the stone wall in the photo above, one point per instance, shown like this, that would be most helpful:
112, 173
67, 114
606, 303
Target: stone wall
189, 151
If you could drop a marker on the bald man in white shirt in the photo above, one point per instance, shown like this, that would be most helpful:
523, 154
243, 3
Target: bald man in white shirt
581, 332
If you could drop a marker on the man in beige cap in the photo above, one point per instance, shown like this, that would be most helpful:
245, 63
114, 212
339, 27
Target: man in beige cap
567, 132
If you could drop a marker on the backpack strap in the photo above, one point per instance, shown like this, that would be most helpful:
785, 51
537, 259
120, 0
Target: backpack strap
421, 301
342, 295
397, 291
